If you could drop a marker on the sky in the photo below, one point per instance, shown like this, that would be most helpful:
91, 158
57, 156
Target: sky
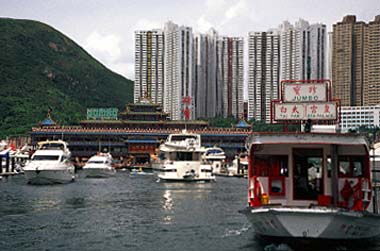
105, 28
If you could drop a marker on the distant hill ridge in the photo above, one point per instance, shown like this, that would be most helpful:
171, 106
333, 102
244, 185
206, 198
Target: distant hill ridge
41, 68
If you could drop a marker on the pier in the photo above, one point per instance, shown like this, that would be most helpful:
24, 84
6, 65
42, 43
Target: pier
9, 162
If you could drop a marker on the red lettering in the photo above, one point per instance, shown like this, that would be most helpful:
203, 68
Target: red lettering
312, 89
327, 108
314, 109
297, 89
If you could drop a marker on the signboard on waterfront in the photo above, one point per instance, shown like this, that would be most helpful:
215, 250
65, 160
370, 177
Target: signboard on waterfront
102, 113
305, 111
304, 92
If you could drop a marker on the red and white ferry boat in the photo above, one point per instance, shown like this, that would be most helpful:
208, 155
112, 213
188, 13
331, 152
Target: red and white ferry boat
310, 185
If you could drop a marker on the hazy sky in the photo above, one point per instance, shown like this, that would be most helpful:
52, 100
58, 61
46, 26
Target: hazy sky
106, 28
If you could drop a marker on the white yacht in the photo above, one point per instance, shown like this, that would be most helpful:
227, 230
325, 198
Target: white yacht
216, 157
50, 164
99, 166
180, 159
239, 166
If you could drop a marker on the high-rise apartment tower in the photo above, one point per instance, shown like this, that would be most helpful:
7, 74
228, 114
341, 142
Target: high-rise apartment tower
263, 75
231, 74
178, 63
347, 61
207, 89
149, 65
303, 51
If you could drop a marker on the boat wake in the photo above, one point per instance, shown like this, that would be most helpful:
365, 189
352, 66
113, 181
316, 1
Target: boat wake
236, 232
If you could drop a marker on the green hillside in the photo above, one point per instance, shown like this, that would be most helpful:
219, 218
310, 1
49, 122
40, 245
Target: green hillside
41, 68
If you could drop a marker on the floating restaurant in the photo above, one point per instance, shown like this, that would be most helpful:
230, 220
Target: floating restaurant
135, 134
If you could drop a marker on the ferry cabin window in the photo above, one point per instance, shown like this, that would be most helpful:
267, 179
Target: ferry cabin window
349, 166
307, 173
270, 166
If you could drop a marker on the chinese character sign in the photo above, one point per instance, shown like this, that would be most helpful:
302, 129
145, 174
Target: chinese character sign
304, 92
186, 104
304, 111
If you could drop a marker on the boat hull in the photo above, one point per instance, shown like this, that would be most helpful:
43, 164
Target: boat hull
98, 172
187, 171
313, 223
47, 177
169, 179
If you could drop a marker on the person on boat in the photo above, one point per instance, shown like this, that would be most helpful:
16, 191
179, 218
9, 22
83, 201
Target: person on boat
301, 181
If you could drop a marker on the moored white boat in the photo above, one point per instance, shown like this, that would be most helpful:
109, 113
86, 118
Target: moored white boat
239, 165
216, 157
99, 166
180, 159
310, 186
50, 164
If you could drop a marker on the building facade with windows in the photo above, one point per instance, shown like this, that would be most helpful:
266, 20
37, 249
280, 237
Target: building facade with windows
207, 90
231, 75
178, 63
149, 65
263, 73
353, 117
371, 89
347, 61
303, 50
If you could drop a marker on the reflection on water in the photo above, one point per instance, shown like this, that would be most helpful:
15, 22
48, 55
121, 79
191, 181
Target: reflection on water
168, 201
127, 213
40, 205
168, 207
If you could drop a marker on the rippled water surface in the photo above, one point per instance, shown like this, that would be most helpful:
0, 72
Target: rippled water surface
130, 212
126, 212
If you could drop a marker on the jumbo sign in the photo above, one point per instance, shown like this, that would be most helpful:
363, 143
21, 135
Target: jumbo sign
303, 100
304, 92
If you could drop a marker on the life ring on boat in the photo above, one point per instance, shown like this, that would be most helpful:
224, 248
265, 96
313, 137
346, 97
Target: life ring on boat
255, 191
361, 194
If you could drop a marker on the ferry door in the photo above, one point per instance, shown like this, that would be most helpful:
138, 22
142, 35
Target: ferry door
307, 173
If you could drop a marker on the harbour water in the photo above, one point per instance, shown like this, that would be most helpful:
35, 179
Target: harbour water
126, 212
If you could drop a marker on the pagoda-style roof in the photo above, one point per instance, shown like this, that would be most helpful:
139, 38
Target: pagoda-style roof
48, 121
243, 124
144, 101
144, 109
